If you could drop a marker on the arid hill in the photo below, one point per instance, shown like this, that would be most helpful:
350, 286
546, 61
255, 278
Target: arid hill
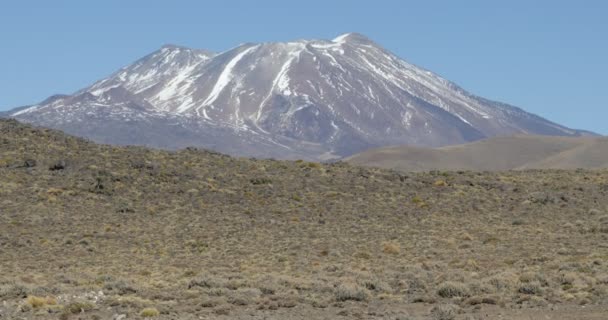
494, 154
93, 231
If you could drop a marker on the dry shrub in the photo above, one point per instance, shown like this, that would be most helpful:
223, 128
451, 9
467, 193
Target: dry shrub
530, 288
350, 291
452, 289
444, 312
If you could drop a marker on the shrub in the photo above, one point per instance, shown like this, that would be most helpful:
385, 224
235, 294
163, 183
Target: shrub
533, 276
207, 282
222, 310
444, 312
353, 292
243, 297
375, 285
13, 291
531, 288
452, 289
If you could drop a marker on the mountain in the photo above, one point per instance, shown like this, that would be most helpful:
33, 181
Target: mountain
494, 154
311, 99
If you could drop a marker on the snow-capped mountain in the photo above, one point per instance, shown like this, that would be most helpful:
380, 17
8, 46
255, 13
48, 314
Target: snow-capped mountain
313, 99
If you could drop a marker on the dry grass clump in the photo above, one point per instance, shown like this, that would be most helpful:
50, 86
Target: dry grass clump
391, 247
39, 302
78, 307
503, 282
223, 310
440, 183
244, 296
488, 299
452, 290
533, 276
149, 313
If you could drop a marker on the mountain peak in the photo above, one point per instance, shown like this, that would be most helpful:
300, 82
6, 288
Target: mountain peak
177, 48
172, 46
352, 37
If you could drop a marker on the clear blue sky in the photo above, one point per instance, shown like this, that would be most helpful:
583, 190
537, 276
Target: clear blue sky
548, 57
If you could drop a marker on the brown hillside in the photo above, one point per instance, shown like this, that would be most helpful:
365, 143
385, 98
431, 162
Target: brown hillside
495, 154
100, 232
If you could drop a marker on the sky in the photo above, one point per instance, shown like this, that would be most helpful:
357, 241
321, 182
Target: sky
547, 57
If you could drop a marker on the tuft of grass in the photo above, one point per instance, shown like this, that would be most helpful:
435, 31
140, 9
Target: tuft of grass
440, 183
78, 307
149, 313
419, 202
39, 302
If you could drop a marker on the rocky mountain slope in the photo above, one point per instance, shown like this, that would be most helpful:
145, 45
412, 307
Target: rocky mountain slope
494, 154
312, 99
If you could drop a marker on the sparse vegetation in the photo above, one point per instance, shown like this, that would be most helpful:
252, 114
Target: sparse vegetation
119, 230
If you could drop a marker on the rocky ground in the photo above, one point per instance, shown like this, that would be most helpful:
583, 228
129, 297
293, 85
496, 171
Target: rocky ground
99, 232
